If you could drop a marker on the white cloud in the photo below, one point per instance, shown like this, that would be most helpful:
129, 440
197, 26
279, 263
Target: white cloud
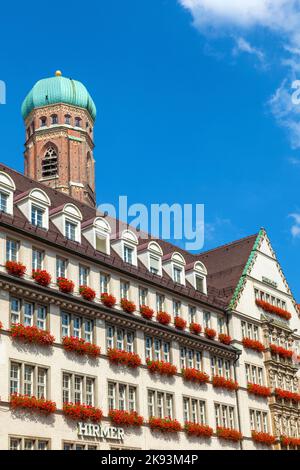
295, 229
244, 46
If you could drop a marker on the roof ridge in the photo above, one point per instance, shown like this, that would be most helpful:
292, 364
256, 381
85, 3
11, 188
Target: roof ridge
234, 242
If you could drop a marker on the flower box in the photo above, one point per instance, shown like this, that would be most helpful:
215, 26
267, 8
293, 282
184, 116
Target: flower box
81, 412
163, 317
259, 390
15, 268
229, 434
87, 293
210, 333
221, 382
31, 335
80, 346
161, 367
197, 430
126, 418
253, 344
164, 424
194, 375
280, 312
195, 328
263, 438
225, 339
179, 323
128, 306
41, 277
65, 285
29, 403
287, 395
124, 358
108, 300
289, 441
282, 352
146, 312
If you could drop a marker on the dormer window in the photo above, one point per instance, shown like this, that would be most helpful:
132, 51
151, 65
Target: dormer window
126, 247
175, 267
97, 232
199, 283
68, 221
7, 188
154, 263
128, 254
35, 206
3, 201
177, 274
196, 274
70, 230
37, 215
151, 255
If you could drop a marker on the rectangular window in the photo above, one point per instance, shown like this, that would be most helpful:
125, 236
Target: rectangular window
160, 302
12, 247
41, 314
254, 374
104, 283
160, 404
37, 259
157, 349
122, 396
176, 308
194, 410
15, 383
20, 443
224, 416
120, 338
189, 358
37, 215
65, 324
80, 327
192, 314
221, 367
15, 310
259, 420
66, 388
177, 274
83, 275
70, 230
206, 319
41, 382
28, 379
78, 389
128, 254
124, 289
28, 313
143, 295
221, 325
154, 264
199, 283
61, 267
3, 202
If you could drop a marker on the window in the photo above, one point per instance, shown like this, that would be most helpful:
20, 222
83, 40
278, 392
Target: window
128, 254
104, 283
221, 367
155, 264
160, 302
189, 358
207, 319
143, 295
249, 330
12, 248
80, 327
37, 214
194, 410
160, 404
224, 416
28, 313
54, 119
50, 163
78, 389
254, 374
83, 275
176, 308
269, 298
78, 446
77, 122
67, 119
221, 325
199, 283
28, 379
192, 314
259, 421
3, 202
157, 349
61, 267
43, 121
177, 274
20, 443
124, 289
70, 230
122, 396
37, 259
120, 338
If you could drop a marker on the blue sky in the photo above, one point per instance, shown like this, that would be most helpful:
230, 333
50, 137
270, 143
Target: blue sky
193, 104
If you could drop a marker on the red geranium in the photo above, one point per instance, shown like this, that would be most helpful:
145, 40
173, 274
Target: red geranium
280, 312
210, 333
221, 382
31, 334
81, 412
259, 390
41, 277
229, 434
163, 317
195, 328
290, 441
179, 323
80, 346
263, 438
124, 358
26, 402
126, 418
161, 367
146, 312
198, 430
87, 293
253, 344
1, 326
281, 351
164, 424
287, 395
225, 339
65, 285
195, 375
128, 306
15, 268
108, 300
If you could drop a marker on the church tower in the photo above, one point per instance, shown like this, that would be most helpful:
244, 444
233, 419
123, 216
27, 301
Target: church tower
59, 116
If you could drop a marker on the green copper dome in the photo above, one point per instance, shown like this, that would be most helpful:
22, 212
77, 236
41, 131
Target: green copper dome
58, 89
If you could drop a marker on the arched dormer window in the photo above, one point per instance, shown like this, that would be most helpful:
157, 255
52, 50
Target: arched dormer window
155, 256
54, 119
196, 274
50, 163
178, 268
7, 188
129, 244
97, 232
72, 222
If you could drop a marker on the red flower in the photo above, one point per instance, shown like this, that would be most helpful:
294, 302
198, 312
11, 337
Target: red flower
15, 269
164, 424
81, 412
146, 312
195, 328
108, 300
124, 358
290, 441
263, 438
80, 346
26, 402
253, 344
87, 293
31, 334
1, 326
259, 390
281, 351
210, 333
225, 339
195, 375
287, 395
128, 306
229, 434
280, 312
163, 317
161, 367
65, 285
42, 278
198, 430
179, 323
126, 418
221, 382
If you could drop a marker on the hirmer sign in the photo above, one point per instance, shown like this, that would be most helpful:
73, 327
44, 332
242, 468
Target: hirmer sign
102, 432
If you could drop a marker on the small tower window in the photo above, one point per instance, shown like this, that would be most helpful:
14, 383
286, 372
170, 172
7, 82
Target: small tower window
54, 119
67, 119
77, 122
49, 164
43, 121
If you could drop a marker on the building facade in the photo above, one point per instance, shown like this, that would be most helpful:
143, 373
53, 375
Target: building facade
112, 340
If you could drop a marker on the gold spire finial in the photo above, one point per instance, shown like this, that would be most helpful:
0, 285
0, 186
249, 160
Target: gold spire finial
58, 73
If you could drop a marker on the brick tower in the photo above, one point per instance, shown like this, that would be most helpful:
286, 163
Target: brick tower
59, 116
